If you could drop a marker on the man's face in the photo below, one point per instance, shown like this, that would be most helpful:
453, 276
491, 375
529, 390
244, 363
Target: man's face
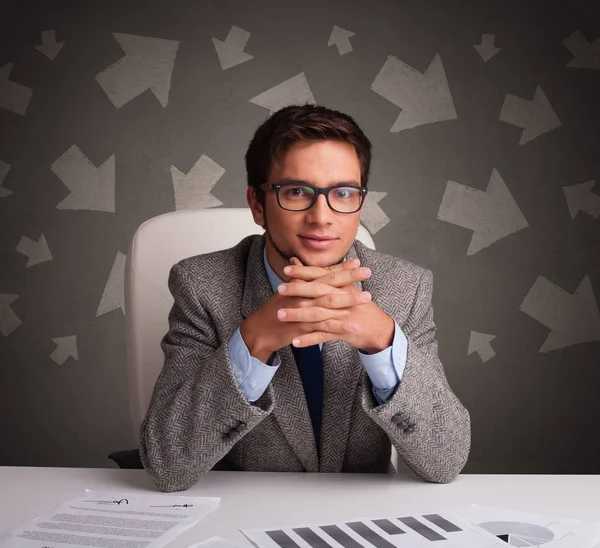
321, 164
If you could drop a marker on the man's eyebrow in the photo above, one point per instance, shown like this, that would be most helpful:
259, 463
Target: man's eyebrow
334, 183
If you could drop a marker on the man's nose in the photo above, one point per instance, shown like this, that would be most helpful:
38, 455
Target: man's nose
320, 210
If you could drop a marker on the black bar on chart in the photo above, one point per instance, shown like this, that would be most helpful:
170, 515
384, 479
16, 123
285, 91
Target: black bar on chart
387, 526
307, 534
341, 537
421, 528
443, 523
367, 533
282, 539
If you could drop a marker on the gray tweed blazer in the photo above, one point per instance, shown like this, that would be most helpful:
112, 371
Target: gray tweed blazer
199, 420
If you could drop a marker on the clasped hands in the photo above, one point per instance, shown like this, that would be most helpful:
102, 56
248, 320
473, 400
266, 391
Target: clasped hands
316, 305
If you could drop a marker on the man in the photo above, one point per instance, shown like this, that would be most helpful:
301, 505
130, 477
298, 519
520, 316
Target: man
283, 353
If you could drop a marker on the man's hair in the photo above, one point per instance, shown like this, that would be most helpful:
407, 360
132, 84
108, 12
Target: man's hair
302, 123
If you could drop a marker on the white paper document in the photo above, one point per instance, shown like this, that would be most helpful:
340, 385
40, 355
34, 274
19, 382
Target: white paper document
522, 529
112, 520
441, 530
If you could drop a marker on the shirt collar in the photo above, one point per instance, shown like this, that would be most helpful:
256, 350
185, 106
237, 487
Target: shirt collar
274, 279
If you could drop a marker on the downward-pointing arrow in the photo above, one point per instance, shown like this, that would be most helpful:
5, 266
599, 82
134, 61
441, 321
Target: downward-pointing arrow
9, 321
231, 52
148, 64
4, 169
341, 39
581, 198
492, 214
573, 319
91, 188
536, 117
66, 346
50, 47
486, 49
480, 343
586, 55
14, 97
192, 191
424, 98
38, 252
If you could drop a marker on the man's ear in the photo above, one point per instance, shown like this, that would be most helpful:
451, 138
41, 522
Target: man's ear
255, 206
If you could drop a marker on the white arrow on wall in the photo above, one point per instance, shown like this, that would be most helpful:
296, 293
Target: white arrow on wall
65, 347
113, 296
14, 97
4, 169
486, 49
423, 98
536, 117
50, 47
148, 64
38, 252
573, 319
192, 191
231, 51
581, 198
294, 91
341, 39
372, 216
91, 188
492, 214
9, 321
480, 343
586, 55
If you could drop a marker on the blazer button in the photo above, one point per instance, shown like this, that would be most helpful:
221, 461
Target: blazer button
241, 427
409, 429
397, 418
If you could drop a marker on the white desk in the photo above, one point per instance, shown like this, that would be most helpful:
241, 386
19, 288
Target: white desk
252, 499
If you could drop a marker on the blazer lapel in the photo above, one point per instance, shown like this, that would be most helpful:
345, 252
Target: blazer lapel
342, 370
290, 410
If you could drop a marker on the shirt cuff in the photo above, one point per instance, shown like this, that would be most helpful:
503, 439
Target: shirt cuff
385, 368
252, 375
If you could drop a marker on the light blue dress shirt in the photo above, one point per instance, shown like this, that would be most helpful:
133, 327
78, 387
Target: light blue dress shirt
385, 368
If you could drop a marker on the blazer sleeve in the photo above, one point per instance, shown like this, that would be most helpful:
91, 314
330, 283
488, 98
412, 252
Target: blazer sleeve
425, 421
197, 411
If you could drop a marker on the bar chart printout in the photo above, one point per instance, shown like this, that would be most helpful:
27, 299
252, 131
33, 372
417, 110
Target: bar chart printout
423, 531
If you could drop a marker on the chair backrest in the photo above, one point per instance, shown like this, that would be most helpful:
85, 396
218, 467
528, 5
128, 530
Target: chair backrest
156, 246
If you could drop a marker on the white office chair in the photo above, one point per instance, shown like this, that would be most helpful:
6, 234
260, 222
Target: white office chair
156, 246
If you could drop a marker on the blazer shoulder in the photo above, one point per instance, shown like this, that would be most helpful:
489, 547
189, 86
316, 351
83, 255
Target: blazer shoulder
386, 263
217, 267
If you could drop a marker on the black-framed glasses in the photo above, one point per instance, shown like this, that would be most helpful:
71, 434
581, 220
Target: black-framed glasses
298, 196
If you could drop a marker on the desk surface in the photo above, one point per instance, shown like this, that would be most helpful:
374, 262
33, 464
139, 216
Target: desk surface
254, 499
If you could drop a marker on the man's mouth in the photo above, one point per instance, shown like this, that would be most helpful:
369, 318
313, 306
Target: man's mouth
316, 241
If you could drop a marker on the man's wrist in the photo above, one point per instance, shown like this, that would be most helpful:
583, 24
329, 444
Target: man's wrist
382, 339
253, 343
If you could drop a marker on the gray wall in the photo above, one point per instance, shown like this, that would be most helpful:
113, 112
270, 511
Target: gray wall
516, 270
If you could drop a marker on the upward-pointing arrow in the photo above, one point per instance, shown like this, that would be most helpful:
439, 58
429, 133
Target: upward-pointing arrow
148, 64
4, 169
491, 215
91, 188
38, 252
573, 319
50, 47
586, 55
536, 117
423, 98
341, 38
581, 198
